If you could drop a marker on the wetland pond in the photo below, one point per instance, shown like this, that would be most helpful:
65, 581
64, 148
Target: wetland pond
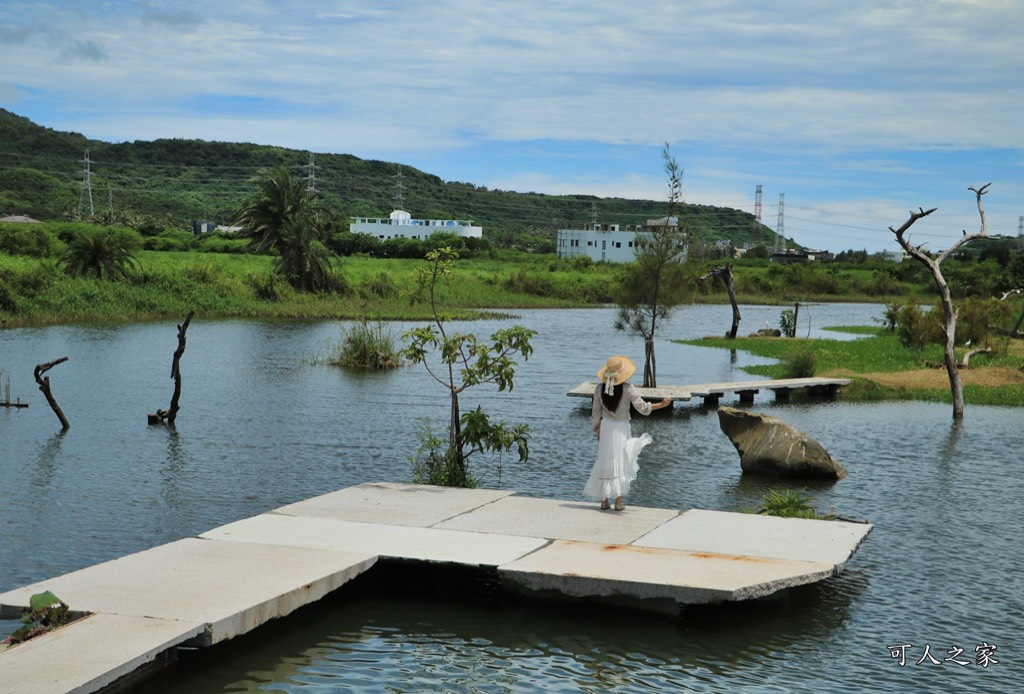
264, 423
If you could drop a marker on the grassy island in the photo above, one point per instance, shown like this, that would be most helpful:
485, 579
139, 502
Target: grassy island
884, 369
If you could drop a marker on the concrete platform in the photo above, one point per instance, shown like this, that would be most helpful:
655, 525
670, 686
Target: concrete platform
394, 504
422, 544
561, 520
751, 535
229, 587
587, 569
231, 579
90, 654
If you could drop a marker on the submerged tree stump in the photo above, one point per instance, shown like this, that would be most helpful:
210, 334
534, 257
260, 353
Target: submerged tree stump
44, 386
169, 416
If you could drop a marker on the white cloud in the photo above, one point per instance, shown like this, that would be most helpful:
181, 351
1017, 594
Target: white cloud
806, 94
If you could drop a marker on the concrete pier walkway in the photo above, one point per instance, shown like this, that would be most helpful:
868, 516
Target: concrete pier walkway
713, 392
226, 582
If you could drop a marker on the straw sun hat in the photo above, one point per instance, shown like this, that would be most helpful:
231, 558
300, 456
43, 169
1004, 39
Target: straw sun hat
615, 372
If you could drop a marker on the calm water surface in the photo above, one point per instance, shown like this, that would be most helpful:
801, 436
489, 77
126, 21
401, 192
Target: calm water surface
262, 425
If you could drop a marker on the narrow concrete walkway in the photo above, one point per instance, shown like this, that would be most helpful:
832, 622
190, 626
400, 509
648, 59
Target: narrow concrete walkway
713, 392
228, 581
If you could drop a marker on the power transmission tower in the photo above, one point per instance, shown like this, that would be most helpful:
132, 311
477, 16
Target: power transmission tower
311, 178
86, 186
780, 226
398, 190
593, 213
757, 235
1020, 233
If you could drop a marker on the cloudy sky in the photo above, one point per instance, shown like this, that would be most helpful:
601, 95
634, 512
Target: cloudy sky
856, 111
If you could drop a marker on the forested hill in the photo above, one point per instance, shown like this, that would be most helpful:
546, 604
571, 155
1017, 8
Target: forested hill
173, 181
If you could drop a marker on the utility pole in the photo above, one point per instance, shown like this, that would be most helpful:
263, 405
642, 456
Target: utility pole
86, 187
780, 226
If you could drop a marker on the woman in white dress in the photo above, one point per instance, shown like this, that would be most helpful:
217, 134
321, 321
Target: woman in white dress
617, 450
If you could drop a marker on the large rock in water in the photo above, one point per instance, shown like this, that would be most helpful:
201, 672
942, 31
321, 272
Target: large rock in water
769, 446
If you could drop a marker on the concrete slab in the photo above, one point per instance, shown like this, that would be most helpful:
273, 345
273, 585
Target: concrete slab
426, 544
586, 569
90, 654
759, 536
232, 587
561, 520
394, 504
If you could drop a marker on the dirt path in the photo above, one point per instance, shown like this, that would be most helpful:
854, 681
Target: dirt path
932, 379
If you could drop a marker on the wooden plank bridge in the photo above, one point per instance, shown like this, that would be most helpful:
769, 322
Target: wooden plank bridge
713, 392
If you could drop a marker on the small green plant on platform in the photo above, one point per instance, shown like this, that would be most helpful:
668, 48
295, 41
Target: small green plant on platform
434, 463
46, 612
791, 503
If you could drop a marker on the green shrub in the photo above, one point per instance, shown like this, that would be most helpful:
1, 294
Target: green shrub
381, 285
803, 364
524, 282
264, 286
366, 346
917, 328
977, 319
582, 263
171, 240
26, 239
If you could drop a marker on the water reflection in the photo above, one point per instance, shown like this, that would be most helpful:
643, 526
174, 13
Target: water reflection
46, 461
430, 636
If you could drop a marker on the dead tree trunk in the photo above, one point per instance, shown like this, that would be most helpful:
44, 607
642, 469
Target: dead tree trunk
725, 274
170, 415
966, 363
949, 313
44, 386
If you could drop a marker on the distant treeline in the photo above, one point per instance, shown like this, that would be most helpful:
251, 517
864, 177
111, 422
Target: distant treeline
169, 183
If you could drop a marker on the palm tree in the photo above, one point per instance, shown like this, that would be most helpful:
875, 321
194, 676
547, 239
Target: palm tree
281, 216
305, 261
107, 255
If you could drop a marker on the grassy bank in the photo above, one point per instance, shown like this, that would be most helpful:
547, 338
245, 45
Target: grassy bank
169, 284
883, 369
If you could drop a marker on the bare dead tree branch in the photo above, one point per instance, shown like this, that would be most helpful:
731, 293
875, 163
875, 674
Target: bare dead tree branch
44, 386
725, 274
950, 313
967, 357
170, 415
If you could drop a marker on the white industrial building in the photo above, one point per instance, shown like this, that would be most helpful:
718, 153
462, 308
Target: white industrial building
612, 243
401, 225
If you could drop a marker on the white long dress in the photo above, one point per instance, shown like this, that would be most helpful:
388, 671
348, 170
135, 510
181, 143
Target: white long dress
617, 450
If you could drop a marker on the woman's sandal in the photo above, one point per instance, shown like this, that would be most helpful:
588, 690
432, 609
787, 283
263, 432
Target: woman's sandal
619, 506
605, 505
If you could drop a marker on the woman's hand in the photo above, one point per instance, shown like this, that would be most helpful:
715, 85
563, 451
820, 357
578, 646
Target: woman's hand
665, 402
